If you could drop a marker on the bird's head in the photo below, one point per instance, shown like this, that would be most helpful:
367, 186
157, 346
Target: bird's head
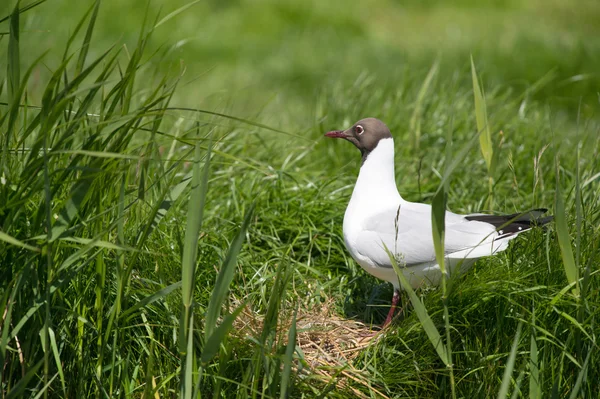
364, 134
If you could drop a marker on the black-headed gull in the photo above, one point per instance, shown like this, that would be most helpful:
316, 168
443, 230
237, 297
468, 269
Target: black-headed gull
378, 215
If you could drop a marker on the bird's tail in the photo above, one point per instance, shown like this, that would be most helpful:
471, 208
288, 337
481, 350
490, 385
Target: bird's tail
509, 225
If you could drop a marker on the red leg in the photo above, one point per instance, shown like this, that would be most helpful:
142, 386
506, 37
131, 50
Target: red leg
390, 316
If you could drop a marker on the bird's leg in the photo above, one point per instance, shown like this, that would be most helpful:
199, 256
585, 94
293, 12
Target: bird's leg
390, 316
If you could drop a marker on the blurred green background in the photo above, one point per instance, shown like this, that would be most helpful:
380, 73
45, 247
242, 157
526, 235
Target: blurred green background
253, 53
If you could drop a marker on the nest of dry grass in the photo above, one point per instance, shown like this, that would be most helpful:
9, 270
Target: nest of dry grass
329, 344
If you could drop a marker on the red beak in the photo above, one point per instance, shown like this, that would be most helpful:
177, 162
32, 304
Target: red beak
336, 134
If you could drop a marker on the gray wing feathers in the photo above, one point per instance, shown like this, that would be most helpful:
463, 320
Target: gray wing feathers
408, 234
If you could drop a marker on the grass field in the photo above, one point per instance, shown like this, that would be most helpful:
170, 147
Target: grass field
171, 214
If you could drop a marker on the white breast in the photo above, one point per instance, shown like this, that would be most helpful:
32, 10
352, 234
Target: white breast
375, 190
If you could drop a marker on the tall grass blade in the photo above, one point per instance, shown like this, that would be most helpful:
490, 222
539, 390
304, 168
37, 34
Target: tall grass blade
188, 266
485, 136
56, 354
175, 13
438, 224
517, 391
535, 390
438, 214
74, 34
22, 10
432, 332
85, 47
510, 365
581, 376
120, 276
71, 208
13, 241
219, 293
92, 241
163, 203
415, 119
213, 343
564, 239
578, 215
187, 368
264, 365
148, 389
14, 59
237, 119
13, 75
19, 388
150, 299
194, 222
168, 201
45, 387
49, 270
288, 359
456, 161
31, 311
8, 302
13, 112
580, 327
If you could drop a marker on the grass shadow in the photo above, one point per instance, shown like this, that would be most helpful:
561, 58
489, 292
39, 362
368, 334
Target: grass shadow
368, 301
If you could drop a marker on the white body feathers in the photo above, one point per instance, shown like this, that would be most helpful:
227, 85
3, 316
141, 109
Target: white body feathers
378, 215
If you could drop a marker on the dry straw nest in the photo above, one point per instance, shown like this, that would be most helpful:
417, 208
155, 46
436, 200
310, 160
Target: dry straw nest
329, 345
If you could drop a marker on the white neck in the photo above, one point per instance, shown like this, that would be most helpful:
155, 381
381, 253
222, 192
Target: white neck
376, 183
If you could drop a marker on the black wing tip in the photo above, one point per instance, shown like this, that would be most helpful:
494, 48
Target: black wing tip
543, 221
509, 225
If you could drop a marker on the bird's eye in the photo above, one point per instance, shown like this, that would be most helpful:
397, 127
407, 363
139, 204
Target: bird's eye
359, 129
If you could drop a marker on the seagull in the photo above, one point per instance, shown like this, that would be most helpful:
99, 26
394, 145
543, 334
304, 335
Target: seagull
377, 217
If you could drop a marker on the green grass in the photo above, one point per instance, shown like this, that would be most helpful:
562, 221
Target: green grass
164, 167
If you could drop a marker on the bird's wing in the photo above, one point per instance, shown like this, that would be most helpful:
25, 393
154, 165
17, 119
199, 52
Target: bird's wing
408, 234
